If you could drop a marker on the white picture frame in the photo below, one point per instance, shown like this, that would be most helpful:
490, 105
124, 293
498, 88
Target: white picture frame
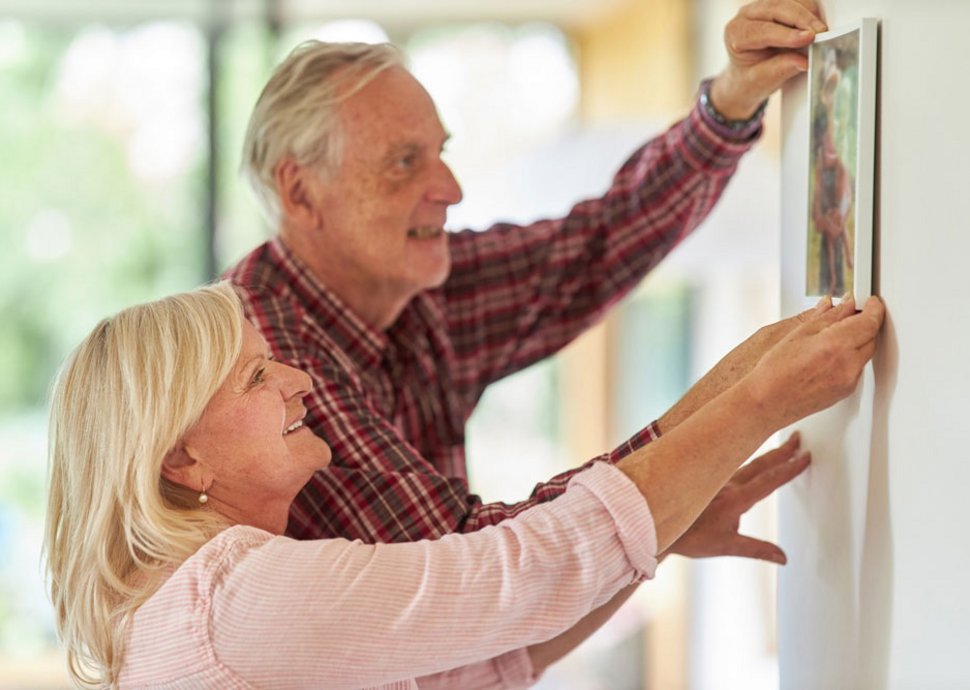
842, 135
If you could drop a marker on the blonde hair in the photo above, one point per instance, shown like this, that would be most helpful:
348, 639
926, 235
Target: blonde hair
120, 403
296, 113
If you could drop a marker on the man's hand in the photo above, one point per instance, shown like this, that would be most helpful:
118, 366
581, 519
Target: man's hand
765, 43
715, 532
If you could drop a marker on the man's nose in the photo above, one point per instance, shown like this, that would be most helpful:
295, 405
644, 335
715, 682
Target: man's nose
445, 189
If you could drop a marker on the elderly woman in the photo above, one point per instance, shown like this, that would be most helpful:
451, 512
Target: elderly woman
177, 445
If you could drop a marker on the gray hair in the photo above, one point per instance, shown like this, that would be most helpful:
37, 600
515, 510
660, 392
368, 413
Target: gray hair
296, 114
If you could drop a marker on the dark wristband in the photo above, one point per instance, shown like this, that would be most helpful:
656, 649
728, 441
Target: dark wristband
712, 112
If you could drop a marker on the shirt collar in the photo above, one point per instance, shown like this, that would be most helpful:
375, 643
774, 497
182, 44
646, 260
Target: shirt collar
361, 341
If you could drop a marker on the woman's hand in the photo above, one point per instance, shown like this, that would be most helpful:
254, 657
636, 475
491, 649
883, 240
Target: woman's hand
817, 364
733, 367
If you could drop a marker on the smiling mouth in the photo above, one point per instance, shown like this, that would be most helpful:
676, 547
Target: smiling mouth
293, 427
425, 232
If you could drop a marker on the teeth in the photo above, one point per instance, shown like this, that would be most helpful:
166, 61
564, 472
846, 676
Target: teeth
425, 232
294, 426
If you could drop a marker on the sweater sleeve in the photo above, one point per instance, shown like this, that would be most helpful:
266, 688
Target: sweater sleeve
511, 671
341, 614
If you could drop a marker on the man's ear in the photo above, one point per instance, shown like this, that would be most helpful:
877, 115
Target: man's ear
294, 185
179, 467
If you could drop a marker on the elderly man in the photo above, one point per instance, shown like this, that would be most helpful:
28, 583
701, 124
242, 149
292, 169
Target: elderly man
402, 325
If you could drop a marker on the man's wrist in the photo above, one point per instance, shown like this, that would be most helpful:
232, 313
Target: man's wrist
735, 120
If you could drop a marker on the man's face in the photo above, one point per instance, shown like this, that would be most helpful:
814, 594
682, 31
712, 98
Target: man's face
383, 213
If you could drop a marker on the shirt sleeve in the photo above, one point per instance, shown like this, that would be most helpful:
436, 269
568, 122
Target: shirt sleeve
384, 491
341, 614
517, 294
511, 671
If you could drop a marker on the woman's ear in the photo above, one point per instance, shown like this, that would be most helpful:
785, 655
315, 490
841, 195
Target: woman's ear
179, 467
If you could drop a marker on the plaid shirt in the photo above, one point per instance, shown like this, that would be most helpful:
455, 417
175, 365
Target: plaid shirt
392, 405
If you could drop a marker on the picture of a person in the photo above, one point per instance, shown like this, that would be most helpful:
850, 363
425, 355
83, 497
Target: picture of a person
832, 201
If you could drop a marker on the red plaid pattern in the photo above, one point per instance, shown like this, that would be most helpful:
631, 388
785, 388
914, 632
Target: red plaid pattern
393, 405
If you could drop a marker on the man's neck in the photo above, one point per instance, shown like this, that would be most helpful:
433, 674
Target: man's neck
377, 305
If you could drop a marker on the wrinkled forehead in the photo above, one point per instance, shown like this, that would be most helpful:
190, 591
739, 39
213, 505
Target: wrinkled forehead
394, 99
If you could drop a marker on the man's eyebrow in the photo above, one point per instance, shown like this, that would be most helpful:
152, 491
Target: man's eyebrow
397, 150
404, 146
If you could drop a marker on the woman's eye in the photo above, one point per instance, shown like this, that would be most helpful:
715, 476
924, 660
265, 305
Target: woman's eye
258, 377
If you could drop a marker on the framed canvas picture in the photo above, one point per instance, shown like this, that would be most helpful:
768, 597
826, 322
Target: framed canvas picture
842, 121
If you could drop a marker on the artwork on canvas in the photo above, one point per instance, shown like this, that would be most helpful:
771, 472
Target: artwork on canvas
841, 83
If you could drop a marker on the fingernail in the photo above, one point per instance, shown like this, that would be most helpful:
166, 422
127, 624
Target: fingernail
822, 303
847, 296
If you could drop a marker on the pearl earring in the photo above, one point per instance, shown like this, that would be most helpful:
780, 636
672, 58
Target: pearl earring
203, 497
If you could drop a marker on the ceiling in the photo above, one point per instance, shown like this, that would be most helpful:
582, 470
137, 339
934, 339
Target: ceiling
391, 13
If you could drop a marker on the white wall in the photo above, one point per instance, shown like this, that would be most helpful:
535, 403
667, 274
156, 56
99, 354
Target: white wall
875, 594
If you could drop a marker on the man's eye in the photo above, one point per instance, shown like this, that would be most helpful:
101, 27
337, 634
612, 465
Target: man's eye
407, 162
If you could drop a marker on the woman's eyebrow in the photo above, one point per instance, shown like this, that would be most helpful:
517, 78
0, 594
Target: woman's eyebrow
249, 365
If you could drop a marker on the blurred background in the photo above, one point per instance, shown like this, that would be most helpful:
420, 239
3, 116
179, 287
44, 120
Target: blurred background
121, 124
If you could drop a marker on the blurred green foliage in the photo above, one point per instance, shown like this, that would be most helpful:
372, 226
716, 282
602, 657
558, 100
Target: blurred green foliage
85, 232
82, 236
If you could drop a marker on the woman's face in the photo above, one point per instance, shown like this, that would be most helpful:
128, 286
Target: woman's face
250, 446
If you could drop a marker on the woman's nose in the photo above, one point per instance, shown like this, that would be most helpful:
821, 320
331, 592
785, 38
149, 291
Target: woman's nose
294, 382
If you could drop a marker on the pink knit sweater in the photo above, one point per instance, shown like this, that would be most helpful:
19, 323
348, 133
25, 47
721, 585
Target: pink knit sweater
254, 610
